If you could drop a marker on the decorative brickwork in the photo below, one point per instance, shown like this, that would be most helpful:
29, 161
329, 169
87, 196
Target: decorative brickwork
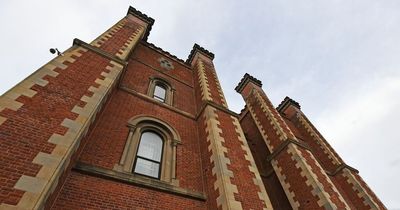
99, 41
132, 40
357, 194
262, 194
220, 92
327, 150
304, 162
359, 189
203, 81
71, 135
220, 162
38, 187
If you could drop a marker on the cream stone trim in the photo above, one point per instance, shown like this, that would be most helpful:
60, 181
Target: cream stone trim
262, 194
359, 189
318, 188
109, 33
203, 81
220, 92
312, 179
2, 120
130, 43
270, 115
8, 99
37, 189
285, 185
260, 127
220, 169
53, 165
317, 139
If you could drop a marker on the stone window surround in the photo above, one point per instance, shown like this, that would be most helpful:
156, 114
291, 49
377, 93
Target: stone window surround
169, 90
139, 124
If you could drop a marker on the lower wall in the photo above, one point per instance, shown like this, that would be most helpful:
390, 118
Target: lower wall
82, 191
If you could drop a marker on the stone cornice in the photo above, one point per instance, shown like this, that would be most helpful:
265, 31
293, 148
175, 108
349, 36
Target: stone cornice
246, 79
166, 53
217, 106
340, 168
143, 17
286, 103
154, 101
137, 180
163, 72
97, 50
197, 48
283, 145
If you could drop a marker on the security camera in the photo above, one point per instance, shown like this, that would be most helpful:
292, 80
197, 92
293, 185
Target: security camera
55, 50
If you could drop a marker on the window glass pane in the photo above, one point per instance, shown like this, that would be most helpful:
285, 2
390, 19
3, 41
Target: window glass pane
147, 168
150, 146
159, 93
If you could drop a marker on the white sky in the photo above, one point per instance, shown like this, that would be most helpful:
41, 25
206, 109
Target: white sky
339, 59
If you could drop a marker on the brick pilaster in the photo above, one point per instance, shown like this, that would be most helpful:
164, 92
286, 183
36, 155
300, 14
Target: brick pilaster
232, 178
304, 181
44, 118
356, 192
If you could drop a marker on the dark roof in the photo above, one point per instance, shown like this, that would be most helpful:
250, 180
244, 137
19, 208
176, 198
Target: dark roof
197, 48
246, 78
286, 102
163, 51
144, 17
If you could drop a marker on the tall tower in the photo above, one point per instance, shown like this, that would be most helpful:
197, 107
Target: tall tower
119, 123
297, 164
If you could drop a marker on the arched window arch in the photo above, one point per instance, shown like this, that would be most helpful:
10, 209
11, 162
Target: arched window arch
161, 90
142, 145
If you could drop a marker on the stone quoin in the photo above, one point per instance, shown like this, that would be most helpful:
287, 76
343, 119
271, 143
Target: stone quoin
119, 123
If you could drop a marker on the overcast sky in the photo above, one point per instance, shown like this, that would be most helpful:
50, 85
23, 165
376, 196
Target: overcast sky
340, 59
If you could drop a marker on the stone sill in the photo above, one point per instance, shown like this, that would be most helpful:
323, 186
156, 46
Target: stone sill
137, 180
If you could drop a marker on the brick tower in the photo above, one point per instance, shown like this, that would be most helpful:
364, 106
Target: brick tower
119, 123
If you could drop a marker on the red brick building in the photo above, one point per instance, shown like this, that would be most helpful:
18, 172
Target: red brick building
119, 123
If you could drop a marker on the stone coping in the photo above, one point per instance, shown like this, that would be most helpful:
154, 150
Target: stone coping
197, 48
137, 180
246, 79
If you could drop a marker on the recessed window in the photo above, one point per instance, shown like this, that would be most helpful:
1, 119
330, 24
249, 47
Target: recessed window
159, 93
150, 150
148, 158
161, 90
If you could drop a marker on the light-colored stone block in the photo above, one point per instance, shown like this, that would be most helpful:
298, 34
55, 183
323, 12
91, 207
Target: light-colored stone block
9, 103
30, 184
82, 111
46, 159
2, 120
72, 125
60, 150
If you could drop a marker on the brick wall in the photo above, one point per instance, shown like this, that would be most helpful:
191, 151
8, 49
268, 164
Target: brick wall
88, 192
260, 153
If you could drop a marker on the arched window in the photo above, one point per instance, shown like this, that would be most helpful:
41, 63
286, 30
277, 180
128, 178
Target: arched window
159, 93
161, 90
150, 150
149, 154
